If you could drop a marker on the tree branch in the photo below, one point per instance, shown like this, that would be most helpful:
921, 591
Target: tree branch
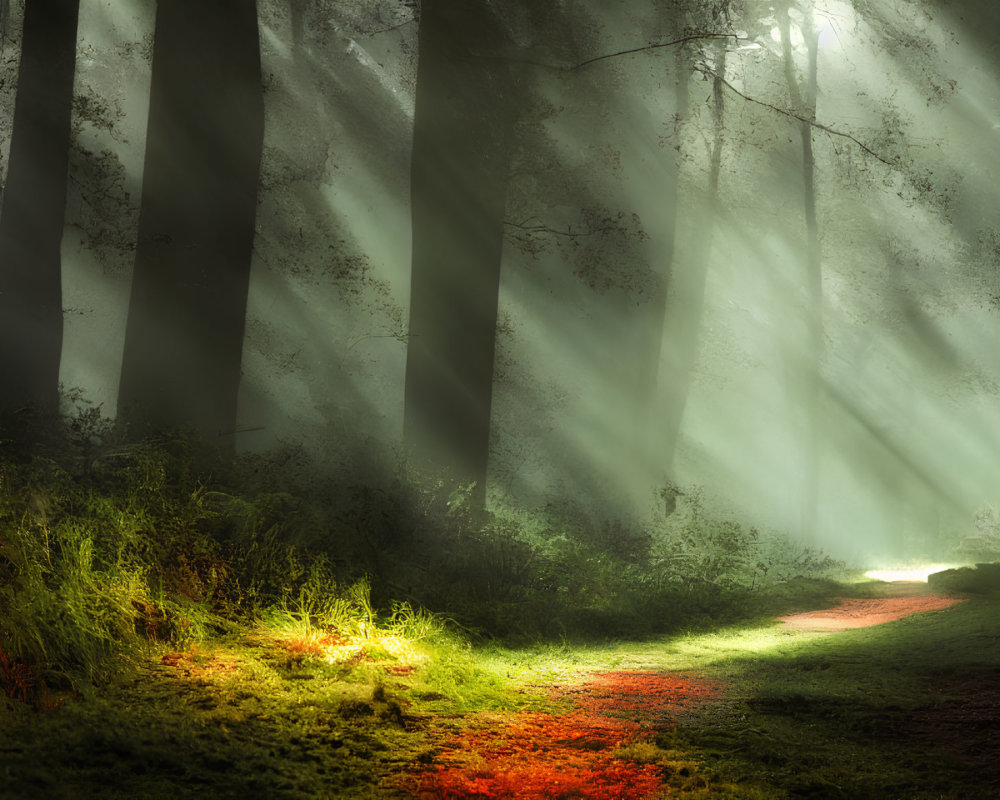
694, 37
545, 229
813, 123
402, 24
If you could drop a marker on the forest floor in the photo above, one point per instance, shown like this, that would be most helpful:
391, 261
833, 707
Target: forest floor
894, 695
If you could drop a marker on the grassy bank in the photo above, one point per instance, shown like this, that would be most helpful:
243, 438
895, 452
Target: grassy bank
177, 625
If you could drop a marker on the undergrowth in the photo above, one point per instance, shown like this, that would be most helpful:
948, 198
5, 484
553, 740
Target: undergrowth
110, 548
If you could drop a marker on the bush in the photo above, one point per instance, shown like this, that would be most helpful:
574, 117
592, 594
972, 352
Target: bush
981, 579
107, 546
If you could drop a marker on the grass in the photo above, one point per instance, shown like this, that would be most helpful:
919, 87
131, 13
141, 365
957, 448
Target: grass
266, 711
862, 713
167, 633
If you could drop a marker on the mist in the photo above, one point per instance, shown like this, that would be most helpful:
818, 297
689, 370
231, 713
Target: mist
657, 328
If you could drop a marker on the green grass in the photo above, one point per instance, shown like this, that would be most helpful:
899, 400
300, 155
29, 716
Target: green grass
852, 714
264, 711
167, 633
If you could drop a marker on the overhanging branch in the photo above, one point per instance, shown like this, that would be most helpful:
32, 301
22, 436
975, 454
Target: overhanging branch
811, 122
541, 229
693, 37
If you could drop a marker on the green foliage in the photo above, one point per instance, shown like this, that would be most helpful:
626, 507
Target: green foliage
318, 602
697, 549
109, 546
980, 579
69, 599
984, 543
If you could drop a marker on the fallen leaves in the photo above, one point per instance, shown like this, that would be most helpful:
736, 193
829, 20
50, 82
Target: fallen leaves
865, 612
538, 756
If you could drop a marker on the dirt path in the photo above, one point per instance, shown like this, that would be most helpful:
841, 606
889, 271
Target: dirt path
865, 612
603, 746
594, 750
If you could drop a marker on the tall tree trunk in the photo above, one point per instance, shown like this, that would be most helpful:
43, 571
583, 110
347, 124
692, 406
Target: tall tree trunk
184, 338
34, 205
804, 104
653, 315
461, 142
689, 291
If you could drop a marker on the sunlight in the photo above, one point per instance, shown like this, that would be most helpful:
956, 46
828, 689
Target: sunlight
910, 573
397, 648
823, 23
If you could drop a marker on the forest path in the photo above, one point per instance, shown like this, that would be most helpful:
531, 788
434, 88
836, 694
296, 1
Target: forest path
600, 745
902, 600
611, 738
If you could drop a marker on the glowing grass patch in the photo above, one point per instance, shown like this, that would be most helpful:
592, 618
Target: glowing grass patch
378, 646
910, 573
313, 643
337, 649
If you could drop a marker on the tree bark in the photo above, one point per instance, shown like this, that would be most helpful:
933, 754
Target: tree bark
34, 204
689, 287
461, 143
184, 337
804, 104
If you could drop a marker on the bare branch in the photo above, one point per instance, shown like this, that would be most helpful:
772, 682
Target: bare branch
545, 229
399, 337
694, 37
811, 122
402, 24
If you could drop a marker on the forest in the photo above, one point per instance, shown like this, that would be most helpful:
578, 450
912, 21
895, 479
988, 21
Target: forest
581, 399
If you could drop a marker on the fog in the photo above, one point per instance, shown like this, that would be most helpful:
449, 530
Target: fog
890, 414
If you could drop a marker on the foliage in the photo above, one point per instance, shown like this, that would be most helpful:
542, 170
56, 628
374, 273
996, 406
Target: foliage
980, 579
335, 617
109, 546
984, 543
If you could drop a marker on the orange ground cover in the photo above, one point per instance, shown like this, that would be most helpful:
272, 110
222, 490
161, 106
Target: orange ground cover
864, 612
539, 756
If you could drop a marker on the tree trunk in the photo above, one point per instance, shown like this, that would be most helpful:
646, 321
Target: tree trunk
804, 104
689, 288
184, 338
461, 141
651, 319
34, 204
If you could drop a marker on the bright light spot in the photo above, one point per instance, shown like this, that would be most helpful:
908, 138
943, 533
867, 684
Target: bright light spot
405, 650
907, 573
794, 34
826, 33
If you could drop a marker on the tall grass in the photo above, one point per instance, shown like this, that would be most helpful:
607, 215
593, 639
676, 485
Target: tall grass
110, 547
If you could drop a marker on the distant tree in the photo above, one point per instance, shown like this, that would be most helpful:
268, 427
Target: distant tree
461, 146
688, 285
34, 202
803, 101
652, 315
184, 337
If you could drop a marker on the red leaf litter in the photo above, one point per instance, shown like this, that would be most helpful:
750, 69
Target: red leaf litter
863, 613
541, 756
572, 756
